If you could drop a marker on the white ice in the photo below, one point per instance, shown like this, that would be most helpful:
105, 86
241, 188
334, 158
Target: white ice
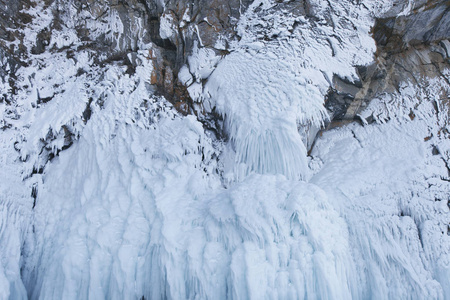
136, 207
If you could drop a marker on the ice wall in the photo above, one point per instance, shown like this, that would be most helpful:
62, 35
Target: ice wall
136, 206
143, 216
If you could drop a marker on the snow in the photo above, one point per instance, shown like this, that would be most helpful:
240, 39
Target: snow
202, 62
145, 203
167, 28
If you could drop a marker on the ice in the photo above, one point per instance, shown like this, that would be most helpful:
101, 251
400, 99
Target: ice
145, 204
202, 62
15, 215
179, 239
12, 219
267, 90
185, 76
398, 193
141, 216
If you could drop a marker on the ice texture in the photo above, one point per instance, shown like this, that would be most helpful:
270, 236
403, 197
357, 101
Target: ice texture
142, 215
144, 203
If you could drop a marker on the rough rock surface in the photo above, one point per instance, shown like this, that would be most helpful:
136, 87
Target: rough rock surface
413, 40
115, 28
409, 48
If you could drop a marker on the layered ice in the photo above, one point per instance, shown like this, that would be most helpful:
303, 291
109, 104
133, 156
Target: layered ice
143, 216
262, 120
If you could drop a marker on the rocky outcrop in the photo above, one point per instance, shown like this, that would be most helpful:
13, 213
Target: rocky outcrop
109, 32
115, 28
412, 41
409, 48
178, 28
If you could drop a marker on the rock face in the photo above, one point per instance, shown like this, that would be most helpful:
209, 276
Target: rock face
409, 48
115, 28
186, 39
412, 41
180, 36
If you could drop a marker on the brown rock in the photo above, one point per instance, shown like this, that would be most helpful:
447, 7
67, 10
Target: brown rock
168, 80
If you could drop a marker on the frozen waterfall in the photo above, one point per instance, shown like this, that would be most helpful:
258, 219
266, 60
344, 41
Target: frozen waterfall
130, 199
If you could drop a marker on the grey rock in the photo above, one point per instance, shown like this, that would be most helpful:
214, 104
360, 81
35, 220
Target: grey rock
409, 48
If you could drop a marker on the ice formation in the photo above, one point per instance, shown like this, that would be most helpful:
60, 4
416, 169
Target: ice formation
265, 90
144, 203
